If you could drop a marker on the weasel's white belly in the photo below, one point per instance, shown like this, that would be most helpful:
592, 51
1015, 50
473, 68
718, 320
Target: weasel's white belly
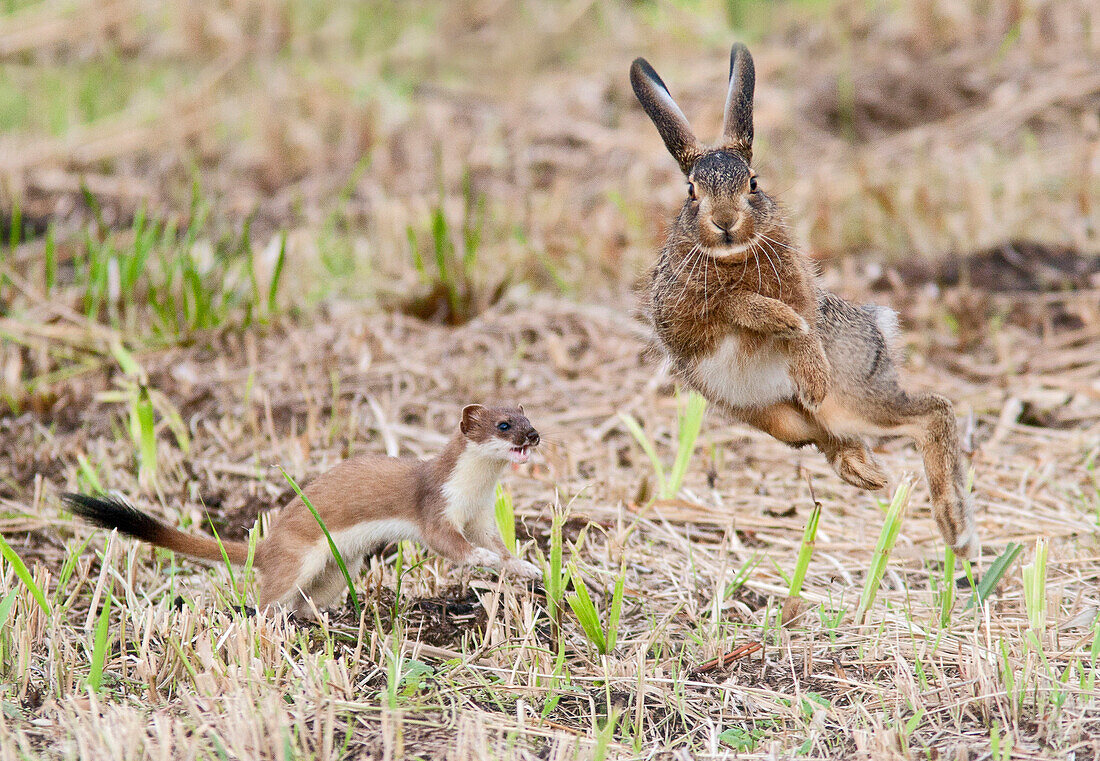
369, 535
755, 380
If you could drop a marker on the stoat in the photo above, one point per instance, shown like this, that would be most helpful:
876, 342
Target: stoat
365, 502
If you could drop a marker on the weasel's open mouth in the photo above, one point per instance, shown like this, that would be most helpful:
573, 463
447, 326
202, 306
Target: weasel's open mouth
519, 455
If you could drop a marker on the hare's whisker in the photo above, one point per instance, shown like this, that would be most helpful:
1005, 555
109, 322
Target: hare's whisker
759, 274
780, 244
764, 247
688, 259
684, 292
706, 293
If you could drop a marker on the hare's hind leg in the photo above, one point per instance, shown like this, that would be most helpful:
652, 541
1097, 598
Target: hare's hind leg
929, 419
853, 462
848, 455
937, 435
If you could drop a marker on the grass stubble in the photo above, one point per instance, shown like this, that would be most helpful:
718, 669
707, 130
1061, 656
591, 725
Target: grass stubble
703, 584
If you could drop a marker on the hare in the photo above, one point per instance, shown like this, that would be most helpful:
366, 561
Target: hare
738, 313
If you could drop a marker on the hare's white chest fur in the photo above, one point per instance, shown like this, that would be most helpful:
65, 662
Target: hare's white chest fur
754, 380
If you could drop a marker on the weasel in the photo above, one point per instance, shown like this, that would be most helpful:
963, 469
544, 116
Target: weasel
446, 503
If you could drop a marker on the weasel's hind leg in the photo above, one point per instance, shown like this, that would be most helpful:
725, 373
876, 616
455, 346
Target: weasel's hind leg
329, 586
284, 576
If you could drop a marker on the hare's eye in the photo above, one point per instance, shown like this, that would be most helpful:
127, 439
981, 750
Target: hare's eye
752, 184
691, 191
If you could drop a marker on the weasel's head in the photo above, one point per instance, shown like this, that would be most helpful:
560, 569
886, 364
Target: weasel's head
502, 433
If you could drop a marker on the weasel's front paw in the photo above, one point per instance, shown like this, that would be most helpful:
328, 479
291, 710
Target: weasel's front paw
484, 557
522, 568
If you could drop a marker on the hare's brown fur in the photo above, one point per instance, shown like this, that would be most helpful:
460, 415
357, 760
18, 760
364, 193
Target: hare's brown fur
738, 312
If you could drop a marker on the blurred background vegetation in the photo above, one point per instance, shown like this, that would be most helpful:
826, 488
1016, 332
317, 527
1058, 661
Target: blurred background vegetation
168, 167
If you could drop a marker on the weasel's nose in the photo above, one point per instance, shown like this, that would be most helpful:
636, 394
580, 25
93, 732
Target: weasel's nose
533, 436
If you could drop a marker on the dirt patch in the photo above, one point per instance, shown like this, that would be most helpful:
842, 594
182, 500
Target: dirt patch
442, 620
1017, 265
1041, 288
538, 529
438, 620
901, 92
234, 513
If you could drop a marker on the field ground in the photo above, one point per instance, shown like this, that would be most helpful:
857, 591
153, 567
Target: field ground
245, 235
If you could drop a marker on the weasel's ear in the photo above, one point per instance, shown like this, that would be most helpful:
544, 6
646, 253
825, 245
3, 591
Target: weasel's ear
737, 123
469, 414
521, 410
665, 114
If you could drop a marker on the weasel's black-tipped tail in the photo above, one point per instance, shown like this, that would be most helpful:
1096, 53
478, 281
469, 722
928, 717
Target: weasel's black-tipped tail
113, 513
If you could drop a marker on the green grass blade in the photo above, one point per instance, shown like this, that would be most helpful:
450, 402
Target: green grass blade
87, 474
99, 644
947, 594
809, 538
887, 537
276, 276
993, 576
331, 542
50, 264
126, 361
5, 607
554, 582
585, 611
691, 422
1035, 587
225, 555
16, 229
171, 415
636, 431
506, 518
69, 566
246, 573
143, 431
616, 611
24, 575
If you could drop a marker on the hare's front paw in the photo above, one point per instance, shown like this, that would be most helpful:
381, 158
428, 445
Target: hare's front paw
522, 568
811, 380
792, 324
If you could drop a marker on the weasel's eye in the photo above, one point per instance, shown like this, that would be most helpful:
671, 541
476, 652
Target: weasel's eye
503, 426
691, 192
752, 184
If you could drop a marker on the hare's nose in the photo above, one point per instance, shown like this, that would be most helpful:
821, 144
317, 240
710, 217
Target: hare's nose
723, 225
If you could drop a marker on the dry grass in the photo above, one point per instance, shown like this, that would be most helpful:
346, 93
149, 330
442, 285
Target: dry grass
991, 135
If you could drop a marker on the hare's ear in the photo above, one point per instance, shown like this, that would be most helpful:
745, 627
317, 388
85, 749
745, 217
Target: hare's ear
665, 114
737, 126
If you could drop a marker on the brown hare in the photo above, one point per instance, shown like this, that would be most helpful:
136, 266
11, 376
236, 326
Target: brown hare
737, 311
